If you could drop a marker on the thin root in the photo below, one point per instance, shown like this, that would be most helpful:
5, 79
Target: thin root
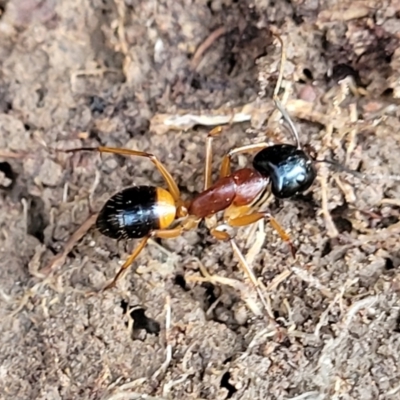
168, 357
215, 35
242, 288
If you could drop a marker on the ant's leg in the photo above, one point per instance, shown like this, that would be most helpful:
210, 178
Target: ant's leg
208, 170
172, 186
256, 216
219, 234
128, 262
286, 117
249, 148
283, 59
162, 234
278, 104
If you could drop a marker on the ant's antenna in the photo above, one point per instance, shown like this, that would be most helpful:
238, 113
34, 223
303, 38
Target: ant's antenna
289, 121
341, 168
360, 175
283, 60
278, 104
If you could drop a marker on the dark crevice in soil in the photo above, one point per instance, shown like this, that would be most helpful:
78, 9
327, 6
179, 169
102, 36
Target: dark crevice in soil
385, 222
397, 325
388, 92
124, 306
209, 6
327, 248
389, 264
339, 218
37, 218
210, 296
341, 71
180, 281
9, 174
225, 384
308, 74
343, 224
5, 101
306, 205
97, 104
141, 321
221, 312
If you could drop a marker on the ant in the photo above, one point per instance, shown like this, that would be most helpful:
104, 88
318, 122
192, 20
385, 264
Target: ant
144, 212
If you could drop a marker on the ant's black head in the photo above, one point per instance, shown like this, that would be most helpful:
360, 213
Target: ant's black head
291, 170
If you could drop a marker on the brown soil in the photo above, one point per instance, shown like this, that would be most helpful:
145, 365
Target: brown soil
75, 73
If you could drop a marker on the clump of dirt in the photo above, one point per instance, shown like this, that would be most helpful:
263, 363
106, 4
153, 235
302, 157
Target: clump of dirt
157, 76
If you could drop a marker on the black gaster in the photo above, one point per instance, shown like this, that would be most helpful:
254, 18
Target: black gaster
291, 170
129, 214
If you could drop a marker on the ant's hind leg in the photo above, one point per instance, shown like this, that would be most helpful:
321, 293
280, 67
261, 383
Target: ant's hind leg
128, 262
162, 234
170, 181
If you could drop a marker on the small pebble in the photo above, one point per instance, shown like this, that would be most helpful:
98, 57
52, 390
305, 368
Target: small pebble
308, 93
241, 315
50, 173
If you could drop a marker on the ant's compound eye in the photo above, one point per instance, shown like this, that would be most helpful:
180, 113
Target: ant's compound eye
290, 169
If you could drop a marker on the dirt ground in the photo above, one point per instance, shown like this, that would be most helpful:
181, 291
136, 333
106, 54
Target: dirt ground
135, 74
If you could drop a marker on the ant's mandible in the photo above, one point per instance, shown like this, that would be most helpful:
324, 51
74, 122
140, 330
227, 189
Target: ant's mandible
144, 212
